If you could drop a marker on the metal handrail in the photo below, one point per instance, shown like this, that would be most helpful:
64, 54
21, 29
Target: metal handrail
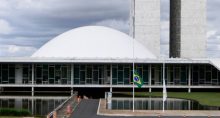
51, 114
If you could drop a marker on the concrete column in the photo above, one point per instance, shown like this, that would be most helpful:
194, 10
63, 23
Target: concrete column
18, 73
32, 79
1, 89
71, 91
189, 79
168, 76
111, 79
32, 106
18, 103
189, 105
149, 103
32, 91
106, 78
32, 74
72, 69
149, 77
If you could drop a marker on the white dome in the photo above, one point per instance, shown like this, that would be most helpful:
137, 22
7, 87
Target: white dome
93, 42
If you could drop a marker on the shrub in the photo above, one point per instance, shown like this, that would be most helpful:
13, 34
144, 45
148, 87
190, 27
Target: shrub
14, 112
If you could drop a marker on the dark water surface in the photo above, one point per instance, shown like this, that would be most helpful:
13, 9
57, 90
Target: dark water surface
36, 105
156, 104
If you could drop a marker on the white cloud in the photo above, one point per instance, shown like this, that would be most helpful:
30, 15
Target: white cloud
116, 24
14, 50
211, 33
34, 22
212, 50
37, 21
30, 4
213, 28
164, 50
165, 32
5, 27
165, 25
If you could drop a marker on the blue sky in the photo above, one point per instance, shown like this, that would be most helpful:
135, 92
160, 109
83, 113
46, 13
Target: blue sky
25, 25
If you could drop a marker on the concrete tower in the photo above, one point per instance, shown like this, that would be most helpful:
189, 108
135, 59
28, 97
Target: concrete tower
188, 28
145, 23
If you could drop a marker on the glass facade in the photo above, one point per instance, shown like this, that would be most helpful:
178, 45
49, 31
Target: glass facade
7, 73
101, 74
177, 74
27, 74
91, 74
205, 75
52, 74
122, 74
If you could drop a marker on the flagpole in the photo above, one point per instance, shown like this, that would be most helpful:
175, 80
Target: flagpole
133, 46
133, 84
164, 87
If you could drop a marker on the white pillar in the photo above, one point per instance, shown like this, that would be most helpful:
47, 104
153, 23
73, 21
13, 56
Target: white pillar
32, 91
149, 77
18, 103
149, 103
18, 73
32, 75
71, 91
168, 76
32, 80
72, 69
32, 106
164, 86
72, 74
189, 79
111, 79
189, 105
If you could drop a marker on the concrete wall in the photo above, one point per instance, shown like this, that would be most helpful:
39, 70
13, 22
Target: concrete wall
145, 24
18, 73
188, 28
193, 28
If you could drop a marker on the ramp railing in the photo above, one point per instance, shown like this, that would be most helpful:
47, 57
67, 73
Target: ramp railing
65, 109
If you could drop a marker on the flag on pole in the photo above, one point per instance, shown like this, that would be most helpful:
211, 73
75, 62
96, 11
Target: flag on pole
137, 79
164, 90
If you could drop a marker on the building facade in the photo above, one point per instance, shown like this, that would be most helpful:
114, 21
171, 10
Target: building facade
66, 62
186, 75
188, 28
106, 73
145, 23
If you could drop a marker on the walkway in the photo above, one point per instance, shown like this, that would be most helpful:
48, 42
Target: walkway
72, 102
88, 109
65, 109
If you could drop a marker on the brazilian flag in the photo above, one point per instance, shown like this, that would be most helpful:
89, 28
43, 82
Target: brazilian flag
138, 80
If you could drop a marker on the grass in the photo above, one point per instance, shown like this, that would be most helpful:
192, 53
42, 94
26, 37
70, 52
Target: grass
204, 98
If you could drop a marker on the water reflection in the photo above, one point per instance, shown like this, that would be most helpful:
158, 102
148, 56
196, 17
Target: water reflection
156, 104
36, 105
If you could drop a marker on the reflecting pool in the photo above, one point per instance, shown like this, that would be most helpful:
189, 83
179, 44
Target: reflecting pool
156, 104
36, 105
